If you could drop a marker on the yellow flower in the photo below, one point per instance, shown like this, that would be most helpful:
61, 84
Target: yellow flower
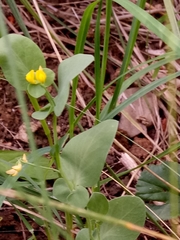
40, 75
12, 172
15, 169
24, 158
30, 77
36, 77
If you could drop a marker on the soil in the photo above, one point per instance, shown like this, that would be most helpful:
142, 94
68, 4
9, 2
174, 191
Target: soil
11, 227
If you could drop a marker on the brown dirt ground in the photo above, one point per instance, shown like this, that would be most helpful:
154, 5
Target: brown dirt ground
11, 226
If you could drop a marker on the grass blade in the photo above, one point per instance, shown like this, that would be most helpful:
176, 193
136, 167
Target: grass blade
172, 19
152, 24
97, 64
141, 93
18, 17
80, 42
127, 57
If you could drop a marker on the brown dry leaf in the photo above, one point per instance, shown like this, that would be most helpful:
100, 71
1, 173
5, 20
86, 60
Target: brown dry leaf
22, 135
140, 112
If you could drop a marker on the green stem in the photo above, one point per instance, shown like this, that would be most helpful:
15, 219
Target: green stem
114, 175
71, 110
55, 136
106, 43
56, 155
55, 86
49, 98
89, 226
47, 230
80, 42
43, 122
69, 224
97, 64
30, 9
47, 168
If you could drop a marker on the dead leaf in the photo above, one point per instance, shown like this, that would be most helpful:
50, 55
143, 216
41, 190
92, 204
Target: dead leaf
22, 135
140, 114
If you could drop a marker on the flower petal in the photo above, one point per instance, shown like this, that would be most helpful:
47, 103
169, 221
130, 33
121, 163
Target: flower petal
17, 167
40, 75
30, 77
24, 158
12, 172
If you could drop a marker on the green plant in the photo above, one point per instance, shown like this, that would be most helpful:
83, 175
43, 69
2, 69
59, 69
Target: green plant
75, 163
150, 188
82, 159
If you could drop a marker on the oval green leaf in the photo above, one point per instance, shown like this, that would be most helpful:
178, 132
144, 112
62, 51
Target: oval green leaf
67, 71
61, 190
26, 54
84, 156
50, 76
36, 90
78, 197
126, 208
43, 112
98, 203
83, 234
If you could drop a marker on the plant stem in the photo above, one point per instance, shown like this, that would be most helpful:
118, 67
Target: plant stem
106, 43
55, 129
69, 223
97, 66
57, 155
114, 175
80, 42
47, 168
55, 136
43, 122
49, 98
